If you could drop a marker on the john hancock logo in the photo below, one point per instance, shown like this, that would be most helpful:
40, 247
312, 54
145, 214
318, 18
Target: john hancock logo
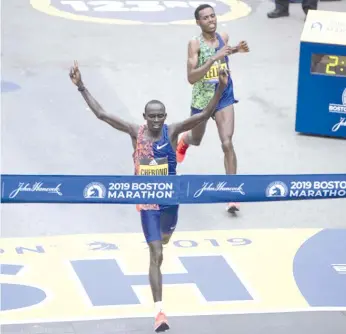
221, 186
338, 125
36, 187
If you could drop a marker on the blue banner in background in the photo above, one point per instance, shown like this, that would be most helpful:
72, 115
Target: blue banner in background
169, 190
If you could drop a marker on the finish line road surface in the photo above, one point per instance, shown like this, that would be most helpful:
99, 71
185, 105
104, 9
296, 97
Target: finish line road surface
275, 268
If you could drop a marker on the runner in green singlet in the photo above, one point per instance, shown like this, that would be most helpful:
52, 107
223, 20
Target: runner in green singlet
205, 53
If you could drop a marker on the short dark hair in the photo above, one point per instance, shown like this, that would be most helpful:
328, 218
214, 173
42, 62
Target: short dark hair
201, 7
154, 102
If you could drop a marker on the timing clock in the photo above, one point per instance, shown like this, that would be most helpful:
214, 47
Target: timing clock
328, 64
321, 94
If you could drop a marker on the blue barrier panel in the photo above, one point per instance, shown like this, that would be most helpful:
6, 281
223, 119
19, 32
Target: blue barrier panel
188, 189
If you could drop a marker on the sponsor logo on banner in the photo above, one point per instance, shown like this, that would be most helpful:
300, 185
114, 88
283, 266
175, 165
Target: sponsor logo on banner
95, 190
277, 189
218, 187
130, 190
307, 189
337, 126
36, 187
139, 11
339, 108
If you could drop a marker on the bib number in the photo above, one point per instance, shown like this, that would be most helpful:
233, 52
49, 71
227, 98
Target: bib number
212, 76
153, 167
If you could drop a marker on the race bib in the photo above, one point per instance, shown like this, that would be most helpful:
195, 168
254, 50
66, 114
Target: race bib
212, 76
153, 167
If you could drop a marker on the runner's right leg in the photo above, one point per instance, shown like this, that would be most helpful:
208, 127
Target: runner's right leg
192, 137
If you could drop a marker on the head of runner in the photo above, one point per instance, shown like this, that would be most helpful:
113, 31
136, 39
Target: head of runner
206, 18
155, 115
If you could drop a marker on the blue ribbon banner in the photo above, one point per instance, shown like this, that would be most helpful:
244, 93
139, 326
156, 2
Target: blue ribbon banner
169, 190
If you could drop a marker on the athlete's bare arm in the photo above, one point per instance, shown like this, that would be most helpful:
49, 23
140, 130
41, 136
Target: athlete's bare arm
114, 121
195, 73
241, 47
188, 124
101, 114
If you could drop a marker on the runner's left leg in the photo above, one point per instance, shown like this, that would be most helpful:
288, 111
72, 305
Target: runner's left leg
158, 226
225, 124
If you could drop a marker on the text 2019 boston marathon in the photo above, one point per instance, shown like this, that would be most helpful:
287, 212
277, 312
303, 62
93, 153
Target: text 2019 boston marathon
192, 189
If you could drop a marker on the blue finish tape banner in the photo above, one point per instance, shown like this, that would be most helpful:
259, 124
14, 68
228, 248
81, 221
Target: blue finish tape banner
89, 189
188, 189
259, 188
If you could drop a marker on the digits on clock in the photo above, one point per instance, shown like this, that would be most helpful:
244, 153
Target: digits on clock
333, 65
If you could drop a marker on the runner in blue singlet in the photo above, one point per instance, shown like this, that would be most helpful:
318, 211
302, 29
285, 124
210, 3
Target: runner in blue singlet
154, 154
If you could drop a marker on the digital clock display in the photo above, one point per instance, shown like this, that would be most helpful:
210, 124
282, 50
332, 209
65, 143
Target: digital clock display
328, 65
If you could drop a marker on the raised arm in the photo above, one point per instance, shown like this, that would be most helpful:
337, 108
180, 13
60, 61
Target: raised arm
195, 73
97, 109
242, 46
191, 122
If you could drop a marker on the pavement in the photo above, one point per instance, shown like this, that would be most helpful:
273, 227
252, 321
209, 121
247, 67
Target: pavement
47, 129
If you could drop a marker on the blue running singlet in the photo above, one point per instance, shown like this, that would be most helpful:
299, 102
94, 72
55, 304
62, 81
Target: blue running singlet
156, 159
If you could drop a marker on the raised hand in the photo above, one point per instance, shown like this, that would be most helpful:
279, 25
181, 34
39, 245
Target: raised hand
243, 47
223, 77
226, 50
75, 74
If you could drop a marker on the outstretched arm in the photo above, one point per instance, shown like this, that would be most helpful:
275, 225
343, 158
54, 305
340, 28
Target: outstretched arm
191, 122
101, 114
97, 109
